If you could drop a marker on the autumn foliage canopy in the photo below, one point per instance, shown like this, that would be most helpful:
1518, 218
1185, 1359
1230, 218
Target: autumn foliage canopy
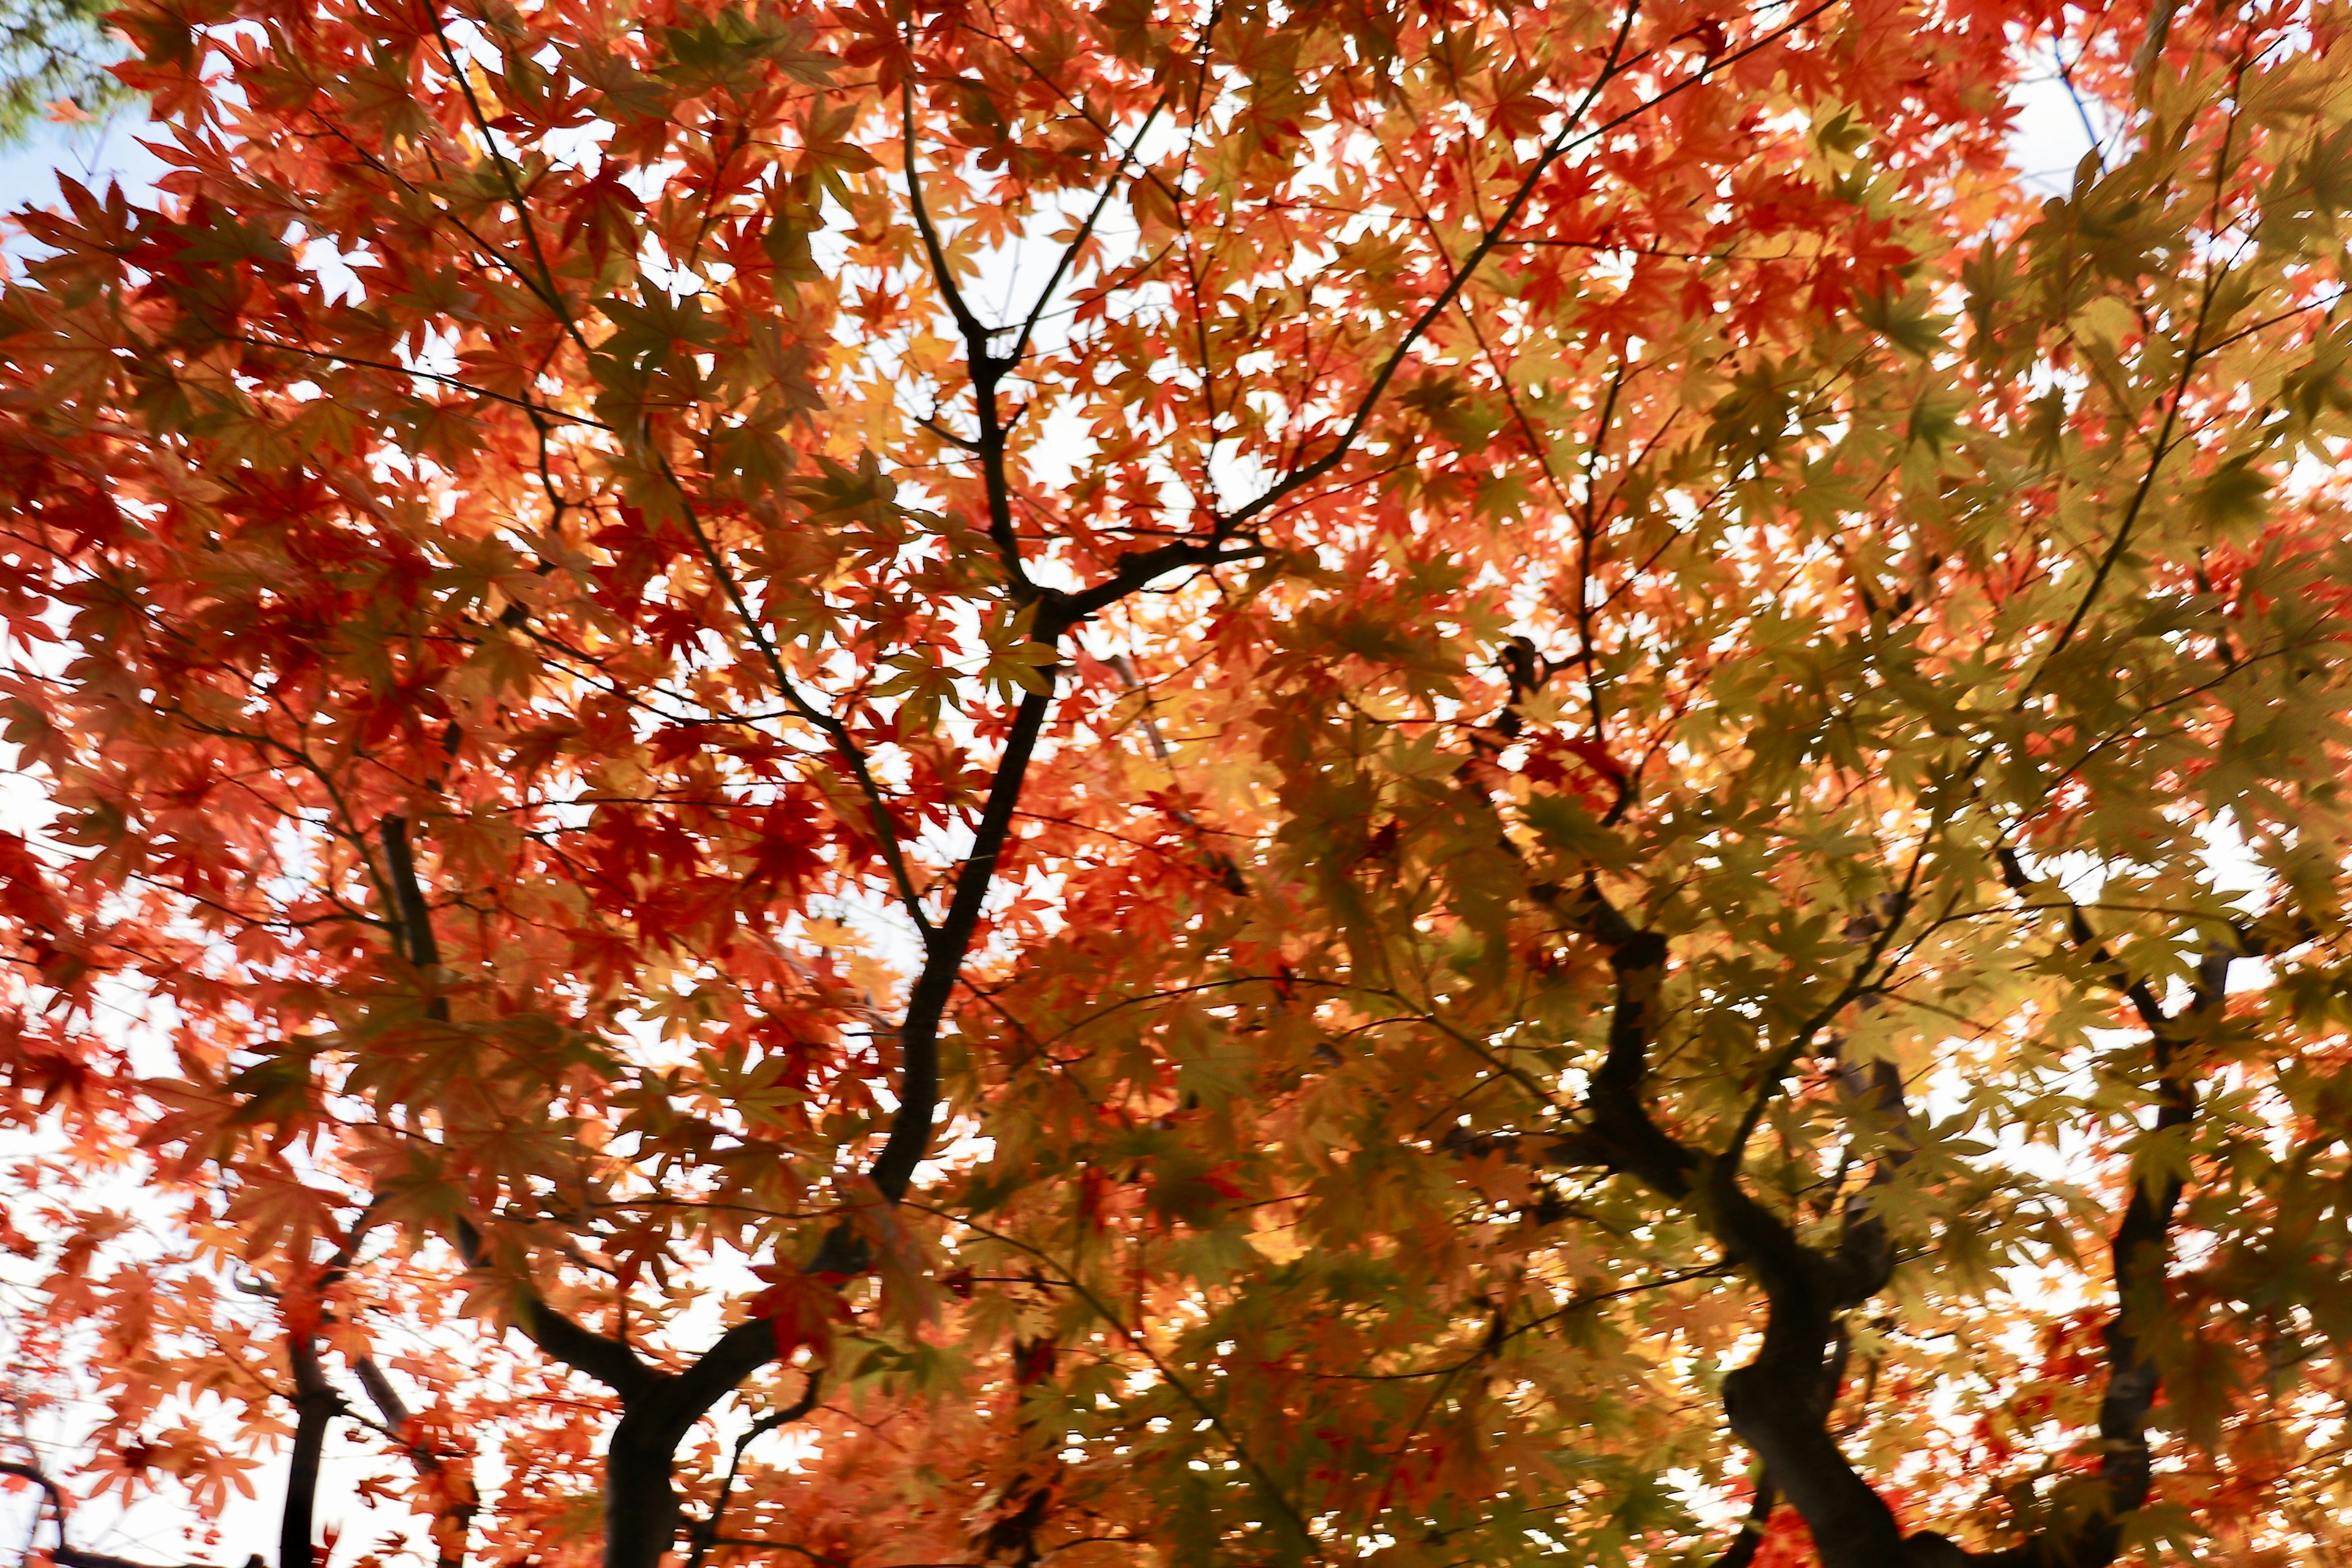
939, 781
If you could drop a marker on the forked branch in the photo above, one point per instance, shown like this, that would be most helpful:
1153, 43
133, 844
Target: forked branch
1851, 1527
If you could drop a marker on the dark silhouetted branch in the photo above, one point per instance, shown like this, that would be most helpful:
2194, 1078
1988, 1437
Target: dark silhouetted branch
67, 1556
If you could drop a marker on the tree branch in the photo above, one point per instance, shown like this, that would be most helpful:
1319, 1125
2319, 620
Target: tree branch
1864, 1255
457, 1509
1623, 1133
1742, 1551
1851, 1524
315, 1408
919, 1034
545, 288
1069, 256
1779, 1403
1133, 572
2139, 1254
66, 1556
885, 833
706, 1534
607, 1360
2162, 448
414, 914
987, 368
975, 333
2078, 926
1562, 141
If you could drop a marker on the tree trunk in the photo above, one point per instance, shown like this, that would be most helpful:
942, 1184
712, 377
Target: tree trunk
314, 1410
641, 1509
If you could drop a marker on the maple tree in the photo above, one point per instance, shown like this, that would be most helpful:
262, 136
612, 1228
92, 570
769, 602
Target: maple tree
884, 783
53, 60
